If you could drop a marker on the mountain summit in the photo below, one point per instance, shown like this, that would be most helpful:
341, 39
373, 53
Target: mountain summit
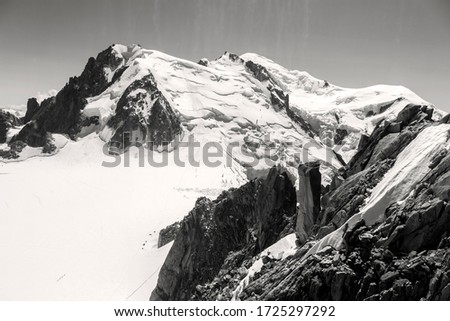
129, 95
342, 185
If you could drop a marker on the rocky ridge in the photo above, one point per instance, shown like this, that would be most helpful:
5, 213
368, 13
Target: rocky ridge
218, 236
354, 140
406, 256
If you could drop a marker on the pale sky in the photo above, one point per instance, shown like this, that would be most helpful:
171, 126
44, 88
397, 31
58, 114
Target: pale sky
351, 43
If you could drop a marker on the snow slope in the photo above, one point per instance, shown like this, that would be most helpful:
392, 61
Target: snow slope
16, 110
328, 107
222, 103
225, 103
72, 229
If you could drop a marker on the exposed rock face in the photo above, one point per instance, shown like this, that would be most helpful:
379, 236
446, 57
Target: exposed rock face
62, 113
424, 218
446, 119
32, 108
366, 270
390, 137
308, 197
406, 257
346, 200
145, 114
15, 148
203, 62
278, 98
237, 225
339, 136
168, 234
7, 120
32, 134
376, 155
260, 72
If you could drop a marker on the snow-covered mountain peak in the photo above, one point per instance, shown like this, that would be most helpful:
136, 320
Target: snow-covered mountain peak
359, 150
247, 99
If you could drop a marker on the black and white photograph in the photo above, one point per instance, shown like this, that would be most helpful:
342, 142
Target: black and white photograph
225, 150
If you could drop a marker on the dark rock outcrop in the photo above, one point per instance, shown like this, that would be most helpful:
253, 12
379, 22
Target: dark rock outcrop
168, 234
345, 201
221, 235
258, 71
365, 270
137, 122
203, 62
62, 113
32, 134
376, 155
233, 57
278, 98
406, 257
445, 119
409, 122
339, 136
7, 121
308, 198
15, 148
32, 108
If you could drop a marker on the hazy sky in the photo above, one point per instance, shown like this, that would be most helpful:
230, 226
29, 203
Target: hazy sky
351, 43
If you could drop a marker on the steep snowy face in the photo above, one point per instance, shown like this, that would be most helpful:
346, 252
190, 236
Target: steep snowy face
157, 99
409, 169
338, 115
275, 115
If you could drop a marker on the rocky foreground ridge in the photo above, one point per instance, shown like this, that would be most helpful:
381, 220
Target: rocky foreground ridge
404, 254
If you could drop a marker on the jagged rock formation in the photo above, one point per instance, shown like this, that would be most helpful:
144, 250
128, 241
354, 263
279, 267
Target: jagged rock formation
143, 115
386, 137
219, 235
367, 213
32, 108
168, 234
128, 96
7, 121
62, 113
278, 98
374, 158
365, 270
308, 198
405, 256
